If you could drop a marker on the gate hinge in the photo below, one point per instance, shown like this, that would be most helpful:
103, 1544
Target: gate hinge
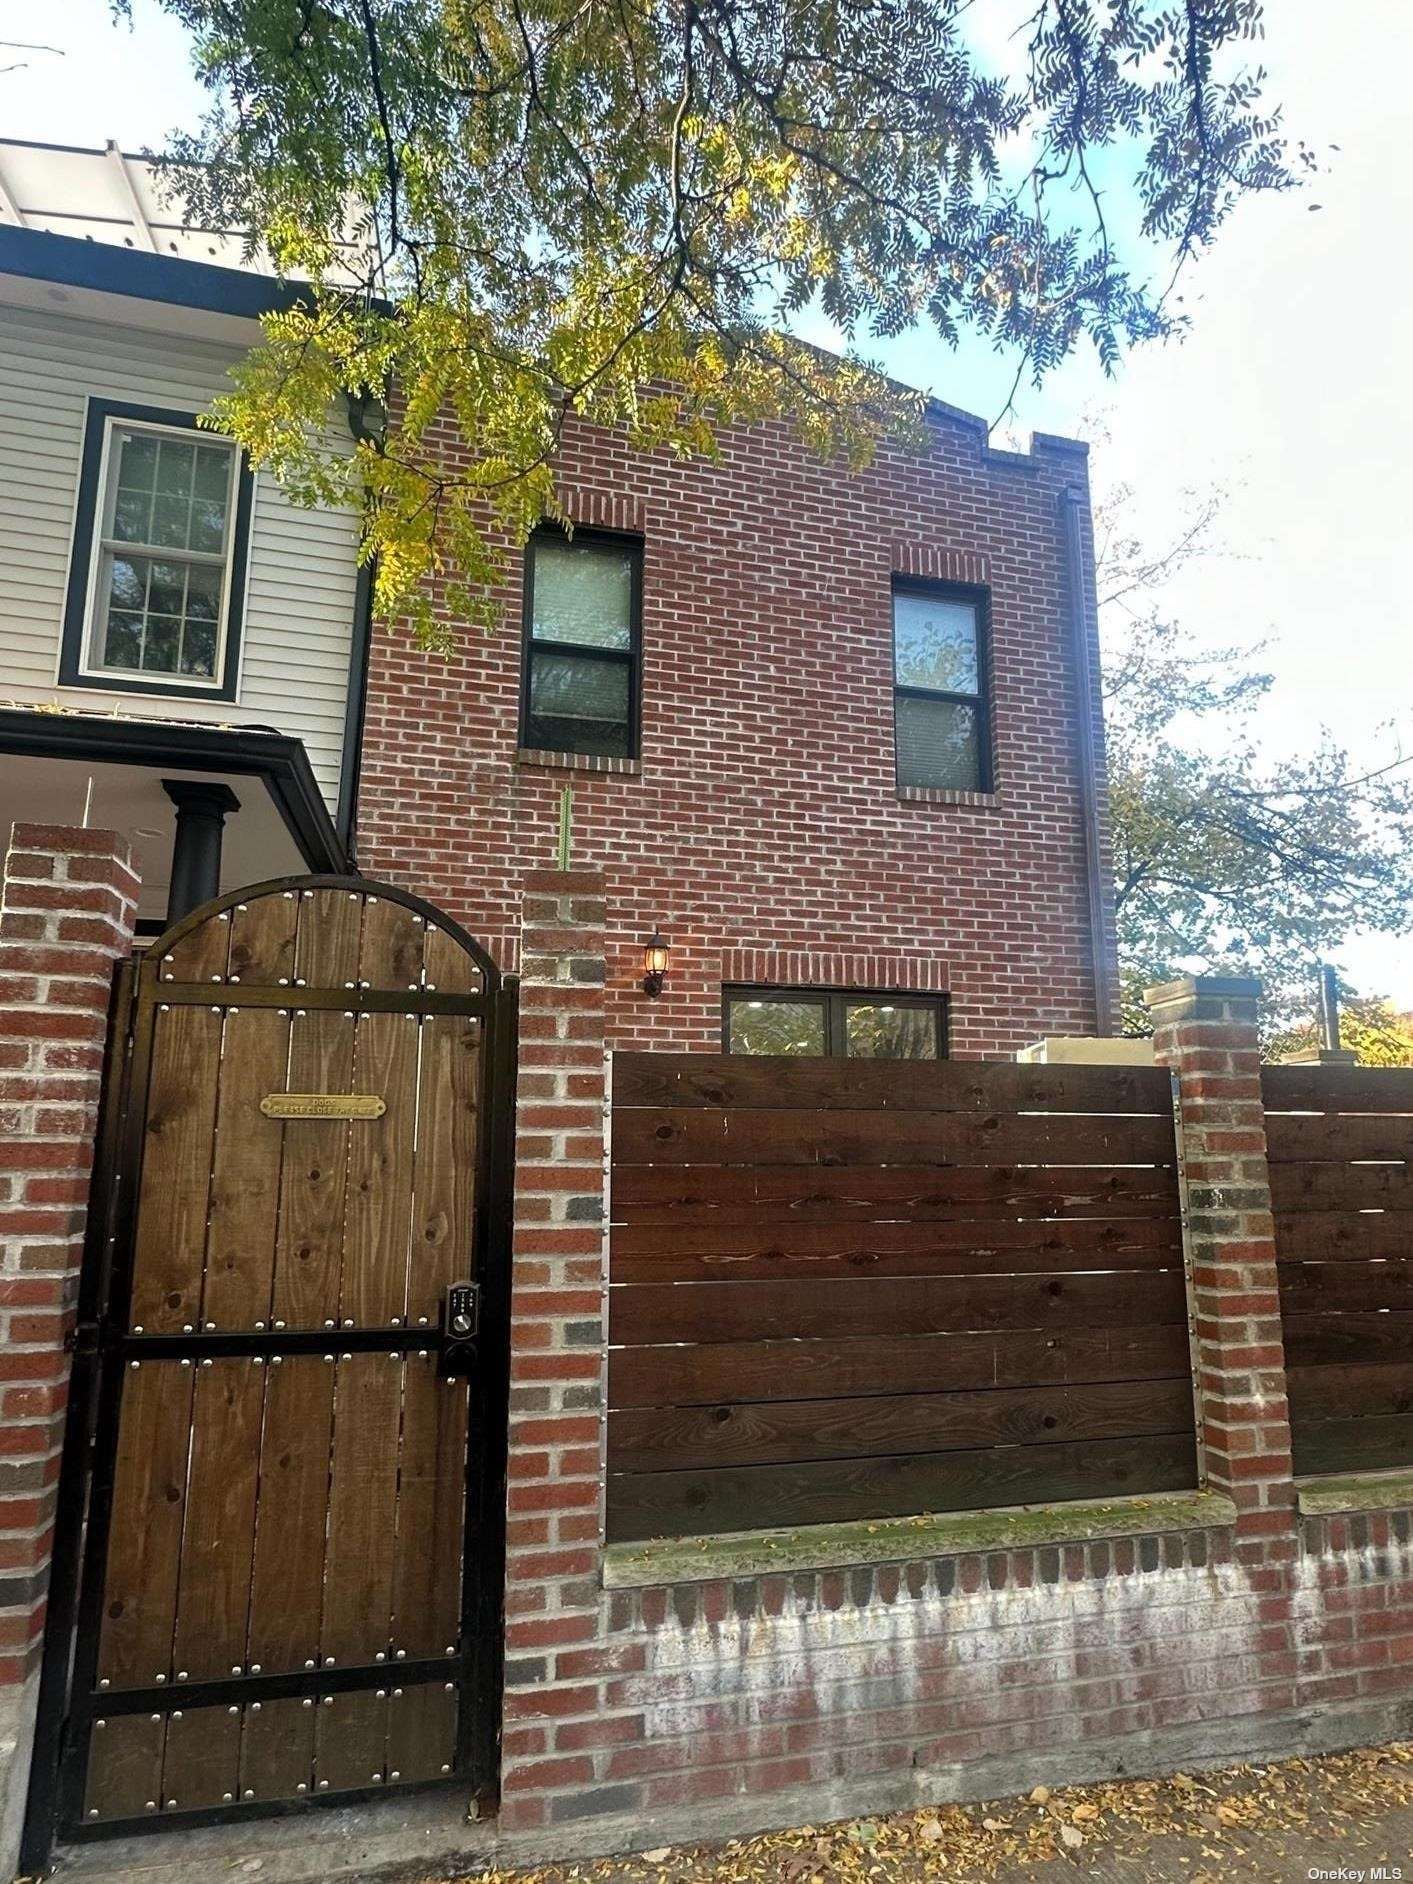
82, 1339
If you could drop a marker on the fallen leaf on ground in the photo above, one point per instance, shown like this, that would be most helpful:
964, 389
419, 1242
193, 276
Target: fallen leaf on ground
1071, 1836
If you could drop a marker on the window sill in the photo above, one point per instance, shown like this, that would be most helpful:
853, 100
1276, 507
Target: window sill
141, 686
578, 762
1354, 1491
946, 795
905, 1540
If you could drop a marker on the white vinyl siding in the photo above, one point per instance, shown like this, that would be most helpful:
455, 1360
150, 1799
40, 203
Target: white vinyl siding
302, 574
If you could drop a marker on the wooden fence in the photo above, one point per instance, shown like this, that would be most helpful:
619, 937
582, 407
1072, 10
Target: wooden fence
848, 1289
1340, 1141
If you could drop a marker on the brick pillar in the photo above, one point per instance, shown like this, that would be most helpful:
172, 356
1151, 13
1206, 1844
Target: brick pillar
1205, 1029
67, 905
555, 1489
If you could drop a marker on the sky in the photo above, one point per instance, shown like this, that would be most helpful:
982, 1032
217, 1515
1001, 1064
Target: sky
1293, 392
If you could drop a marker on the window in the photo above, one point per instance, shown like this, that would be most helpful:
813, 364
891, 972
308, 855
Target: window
939, 691
816, 1021
583, 603
156, 581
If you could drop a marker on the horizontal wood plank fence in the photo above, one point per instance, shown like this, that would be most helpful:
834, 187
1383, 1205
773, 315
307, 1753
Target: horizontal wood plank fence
1340, 1142
854, 1289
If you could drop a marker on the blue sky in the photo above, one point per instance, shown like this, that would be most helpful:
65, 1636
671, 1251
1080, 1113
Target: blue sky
1294, 390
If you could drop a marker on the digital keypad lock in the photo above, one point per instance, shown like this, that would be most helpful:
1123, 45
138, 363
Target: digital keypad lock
461, 1317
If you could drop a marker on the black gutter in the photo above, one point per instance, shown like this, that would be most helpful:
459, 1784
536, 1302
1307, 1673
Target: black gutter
1073, 507
355, 710
110, 269
276, 758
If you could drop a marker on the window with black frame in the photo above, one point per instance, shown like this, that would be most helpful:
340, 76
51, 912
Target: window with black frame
818, 1022
583, 606
939, 677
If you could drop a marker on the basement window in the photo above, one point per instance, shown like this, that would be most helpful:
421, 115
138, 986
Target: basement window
817, 1022
583, 642
156, 583
940, 687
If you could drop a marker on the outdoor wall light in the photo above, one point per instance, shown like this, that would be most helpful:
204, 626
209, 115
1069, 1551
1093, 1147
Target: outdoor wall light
657, 958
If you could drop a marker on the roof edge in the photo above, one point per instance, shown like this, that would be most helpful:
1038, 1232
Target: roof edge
36, 255
278, 758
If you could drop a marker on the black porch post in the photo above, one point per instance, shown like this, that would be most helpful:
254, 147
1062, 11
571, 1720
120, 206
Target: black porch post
196, 851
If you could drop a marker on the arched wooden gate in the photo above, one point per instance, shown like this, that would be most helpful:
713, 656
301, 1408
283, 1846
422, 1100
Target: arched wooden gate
278, 1570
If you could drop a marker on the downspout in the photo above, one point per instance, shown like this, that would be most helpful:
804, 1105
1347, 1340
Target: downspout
367, 422
1072, 506
355, 708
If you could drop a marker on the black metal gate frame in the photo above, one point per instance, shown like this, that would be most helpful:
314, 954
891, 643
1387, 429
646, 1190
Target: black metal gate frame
69, 1699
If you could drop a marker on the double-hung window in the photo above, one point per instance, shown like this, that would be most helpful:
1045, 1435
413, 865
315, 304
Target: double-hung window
155, 590
939, 687
583, 609
819, 1022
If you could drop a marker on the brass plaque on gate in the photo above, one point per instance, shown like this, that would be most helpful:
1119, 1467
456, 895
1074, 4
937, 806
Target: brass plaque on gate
323, 1105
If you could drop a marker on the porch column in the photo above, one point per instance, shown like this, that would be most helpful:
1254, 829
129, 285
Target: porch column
67, 905
202, 806
1205, 1030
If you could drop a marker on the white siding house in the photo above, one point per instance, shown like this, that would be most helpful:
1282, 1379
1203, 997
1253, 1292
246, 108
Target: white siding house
300, 577
167, 616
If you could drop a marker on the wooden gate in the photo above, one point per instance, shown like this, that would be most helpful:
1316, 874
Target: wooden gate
279, 1579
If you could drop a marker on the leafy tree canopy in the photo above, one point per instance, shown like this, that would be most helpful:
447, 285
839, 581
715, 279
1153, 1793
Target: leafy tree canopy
619, 207
1227, 857
1369, 1025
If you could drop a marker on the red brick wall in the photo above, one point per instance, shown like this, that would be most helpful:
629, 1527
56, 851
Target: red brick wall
66, 914
711, 1706
764, 813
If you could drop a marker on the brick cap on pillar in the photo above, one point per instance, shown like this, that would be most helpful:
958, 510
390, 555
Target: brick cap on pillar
89, 840
1194, 988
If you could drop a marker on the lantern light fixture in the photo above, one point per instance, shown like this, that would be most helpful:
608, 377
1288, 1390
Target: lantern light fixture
657, 958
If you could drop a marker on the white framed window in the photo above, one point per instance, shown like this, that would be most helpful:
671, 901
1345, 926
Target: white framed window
160, 538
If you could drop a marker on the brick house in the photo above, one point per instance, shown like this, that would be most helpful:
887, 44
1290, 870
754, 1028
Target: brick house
483, 1331
848, 739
